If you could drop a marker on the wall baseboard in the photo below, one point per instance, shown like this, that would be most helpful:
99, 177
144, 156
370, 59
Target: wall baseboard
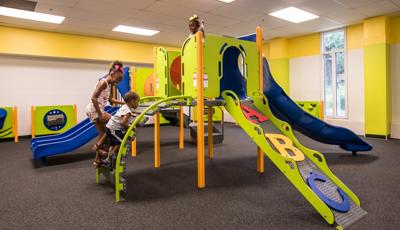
386, 137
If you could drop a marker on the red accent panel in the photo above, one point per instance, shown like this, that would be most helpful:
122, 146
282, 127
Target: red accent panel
249, 113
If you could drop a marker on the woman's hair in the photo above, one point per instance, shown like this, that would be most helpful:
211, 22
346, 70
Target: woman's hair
131, 96
116, 67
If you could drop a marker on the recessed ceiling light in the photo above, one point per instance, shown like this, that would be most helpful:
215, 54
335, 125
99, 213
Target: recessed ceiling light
24, 14
227, 1
294, 14
135, 30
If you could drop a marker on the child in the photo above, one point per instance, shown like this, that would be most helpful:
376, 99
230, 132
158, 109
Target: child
195, 25
100, 97
119, 123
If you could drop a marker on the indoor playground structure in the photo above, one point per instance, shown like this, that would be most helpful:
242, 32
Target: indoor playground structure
231, 72
9, 123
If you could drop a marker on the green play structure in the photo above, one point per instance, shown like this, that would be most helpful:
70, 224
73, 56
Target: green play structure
48, 120
168, 66
8, 124
233, 70
142, 81
311, 107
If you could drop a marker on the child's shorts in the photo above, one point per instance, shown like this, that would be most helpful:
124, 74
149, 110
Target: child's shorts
115, 137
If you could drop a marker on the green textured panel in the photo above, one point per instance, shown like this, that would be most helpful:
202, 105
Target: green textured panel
280, 71
311, 107
7, 130
40, 112
141, 75
172, 90
161, 68
377, 89
214, 48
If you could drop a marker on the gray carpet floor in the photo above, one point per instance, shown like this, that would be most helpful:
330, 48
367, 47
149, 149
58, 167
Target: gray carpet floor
64, 195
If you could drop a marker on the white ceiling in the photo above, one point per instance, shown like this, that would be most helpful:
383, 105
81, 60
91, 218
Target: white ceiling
99, 17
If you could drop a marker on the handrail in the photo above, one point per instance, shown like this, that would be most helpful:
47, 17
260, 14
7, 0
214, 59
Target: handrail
122, 150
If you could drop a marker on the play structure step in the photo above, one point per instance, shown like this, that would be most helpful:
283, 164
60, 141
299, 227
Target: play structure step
218, 135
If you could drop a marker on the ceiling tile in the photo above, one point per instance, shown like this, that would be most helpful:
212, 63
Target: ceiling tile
52, 9
134, 4
154, 17
357, 3
378, 8
245, 11
201, 5
68, 3
217, 20
321, 7
347, 16
178, 11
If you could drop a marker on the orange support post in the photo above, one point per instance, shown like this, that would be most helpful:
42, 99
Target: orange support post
201, 181
133, 150
181, 129
133, 80
259, 40
155, 72
33, 121
15, 124
76, 115
210, 133
157, 140
321, 111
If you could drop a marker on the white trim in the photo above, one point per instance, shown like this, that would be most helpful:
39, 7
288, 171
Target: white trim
334, 79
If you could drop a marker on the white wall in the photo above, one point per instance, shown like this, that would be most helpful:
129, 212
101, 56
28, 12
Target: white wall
26, 81
355, 93
305, 78
306, 84
395, 54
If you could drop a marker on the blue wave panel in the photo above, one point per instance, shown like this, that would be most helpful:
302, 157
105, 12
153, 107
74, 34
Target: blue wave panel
285, 109
68, 141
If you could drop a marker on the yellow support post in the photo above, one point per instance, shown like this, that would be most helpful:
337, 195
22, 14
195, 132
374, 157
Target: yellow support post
200, 113
133, 150
157, 140
210, 133
259, 40
181, 129
33, 121
15, 124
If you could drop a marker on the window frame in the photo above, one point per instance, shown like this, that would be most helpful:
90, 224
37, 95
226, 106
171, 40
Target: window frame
334, 77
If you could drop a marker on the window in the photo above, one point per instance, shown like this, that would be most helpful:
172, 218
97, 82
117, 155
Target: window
333, 55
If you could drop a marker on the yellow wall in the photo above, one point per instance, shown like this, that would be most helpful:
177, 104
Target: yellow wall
376, 30
355, 36
307, 45
50, 44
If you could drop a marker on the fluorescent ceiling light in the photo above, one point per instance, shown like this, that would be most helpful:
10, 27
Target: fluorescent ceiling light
227, 1
135, 30
294, 14
24, 14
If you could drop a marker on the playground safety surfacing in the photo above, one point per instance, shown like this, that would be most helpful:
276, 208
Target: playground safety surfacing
63, 194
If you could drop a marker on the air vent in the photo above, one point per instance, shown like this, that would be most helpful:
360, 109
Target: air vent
19, 4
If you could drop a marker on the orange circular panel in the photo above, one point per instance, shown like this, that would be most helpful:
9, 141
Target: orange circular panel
148, 86
175, 72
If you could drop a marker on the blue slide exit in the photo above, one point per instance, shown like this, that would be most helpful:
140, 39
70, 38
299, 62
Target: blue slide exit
285, 109
72, 139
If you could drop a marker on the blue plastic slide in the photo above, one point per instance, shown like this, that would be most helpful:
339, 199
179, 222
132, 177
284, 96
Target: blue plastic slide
72, 139
285, 109
125, 85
